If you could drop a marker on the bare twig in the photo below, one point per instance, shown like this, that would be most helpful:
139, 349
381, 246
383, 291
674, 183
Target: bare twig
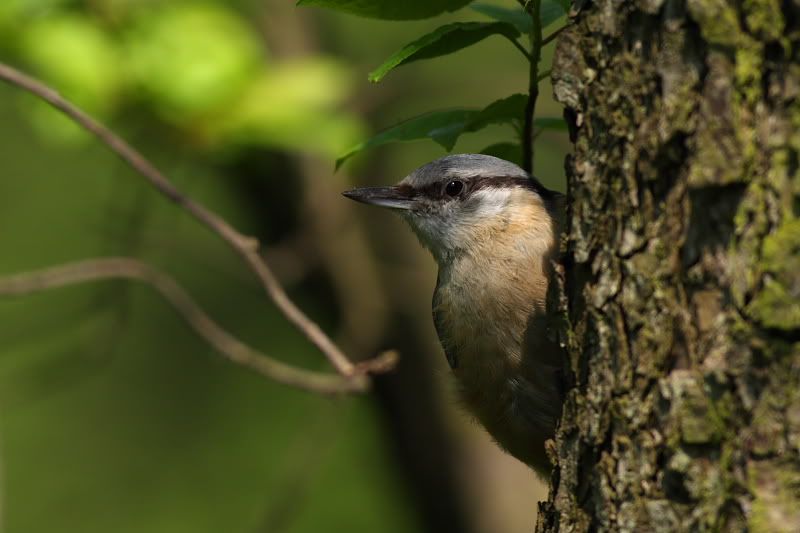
246, 247
228, 345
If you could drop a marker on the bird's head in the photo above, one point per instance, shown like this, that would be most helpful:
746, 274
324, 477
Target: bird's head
458, 201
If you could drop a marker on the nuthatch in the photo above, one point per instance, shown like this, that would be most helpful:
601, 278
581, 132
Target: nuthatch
493, 230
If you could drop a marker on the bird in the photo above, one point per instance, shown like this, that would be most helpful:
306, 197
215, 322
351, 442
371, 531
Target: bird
493, 230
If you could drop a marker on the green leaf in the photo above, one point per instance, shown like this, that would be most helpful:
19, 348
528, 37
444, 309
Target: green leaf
445, 127
565, 5
508, 151
518, 17
550, 123
430, 125
551, 11
443, 40
389, 9
502, 111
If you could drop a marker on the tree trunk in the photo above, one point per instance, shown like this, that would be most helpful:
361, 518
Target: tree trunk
682, 268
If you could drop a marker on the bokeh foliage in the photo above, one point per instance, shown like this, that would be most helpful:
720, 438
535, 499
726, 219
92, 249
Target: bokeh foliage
113, 417
200, 67
116, 418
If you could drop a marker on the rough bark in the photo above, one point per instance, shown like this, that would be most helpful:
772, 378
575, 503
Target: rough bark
682, 268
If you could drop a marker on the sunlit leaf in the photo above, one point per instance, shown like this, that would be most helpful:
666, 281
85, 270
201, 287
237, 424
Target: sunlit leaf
389, 9
191, 59
516, 16
77, 56
442, 41
16, 16
430, 125
508, 151
294, 105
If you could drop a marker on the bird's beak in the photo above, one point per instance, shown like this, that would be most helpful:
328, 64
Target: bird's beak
391, 197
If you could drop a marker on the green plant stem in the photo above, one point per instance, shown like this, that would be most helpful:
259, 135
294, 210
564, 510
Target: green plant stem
533, 7
544, 75
520, 48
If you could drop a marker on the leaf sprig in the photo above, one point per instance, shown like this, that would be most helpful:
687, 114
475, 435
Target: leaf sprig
446, 126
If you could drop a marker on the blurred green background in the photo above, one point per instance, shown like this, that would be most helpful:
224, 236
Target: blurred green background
113, 416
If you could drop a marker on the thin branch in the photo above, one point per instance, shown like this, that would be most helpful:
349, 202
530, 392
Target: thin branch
533, 8
547, 40
202, 324
544, 75
520, 48
246, 247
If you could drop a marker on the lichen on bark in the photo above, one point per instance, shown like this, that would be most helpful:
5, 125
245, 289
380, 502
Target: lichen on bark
682, 268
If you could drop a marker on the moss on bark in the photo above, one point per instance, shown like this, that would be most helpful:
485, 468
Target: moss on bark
683, 268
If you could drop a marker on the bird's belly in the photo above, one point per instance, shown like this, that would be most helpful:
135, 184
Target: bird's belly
482, 327
505, 404
487, 360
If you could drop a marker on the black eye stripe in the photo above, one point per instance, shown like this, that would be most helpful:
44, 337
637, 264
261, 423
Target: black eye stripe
438, 191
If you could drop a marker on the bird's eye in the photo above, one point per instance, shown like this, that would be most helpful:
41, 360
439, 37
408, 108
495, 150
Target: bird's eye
454, 187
